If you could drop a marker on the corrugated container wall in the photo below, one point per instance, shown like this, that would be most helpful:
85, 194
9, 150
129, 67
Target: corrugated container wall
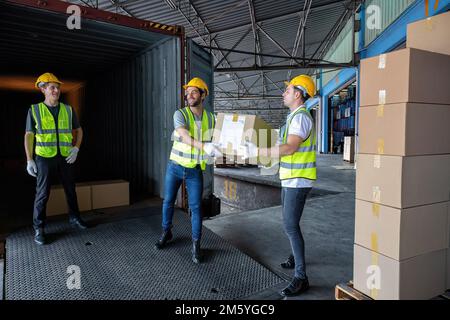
130, 119
340, 51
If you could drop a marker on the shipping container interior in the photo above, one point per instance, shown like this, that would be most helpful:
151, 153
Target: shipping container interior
124, 84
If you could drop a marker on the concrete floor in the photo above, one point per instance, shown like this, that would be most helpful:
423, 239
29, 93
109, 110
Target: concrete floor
327, 225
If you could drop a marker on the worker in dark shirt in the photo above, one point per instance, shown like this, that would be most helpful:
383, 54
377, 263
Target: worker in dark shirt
50, 150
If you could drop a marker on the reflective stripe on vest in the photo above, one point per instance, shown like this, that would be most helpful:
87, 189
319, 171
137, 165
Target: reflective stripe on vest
184, 154
301, 164
46, 134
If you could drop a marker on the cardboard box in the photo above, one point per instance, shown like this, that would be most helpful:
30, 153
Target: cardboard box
403, 182
383, 278
401, 233
112, 193
57, 203
405, 129
430, 34
407, 75
233, 130
349, 149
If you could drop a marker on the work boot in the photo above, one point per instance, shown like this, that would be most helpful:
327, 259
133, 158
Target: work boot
165, 237
289, 263
196, 256
78, 223
39, 236
297, 286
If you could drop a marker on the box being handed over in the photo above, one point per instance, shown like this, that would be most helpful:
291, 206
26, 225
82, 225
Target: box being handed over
233, 130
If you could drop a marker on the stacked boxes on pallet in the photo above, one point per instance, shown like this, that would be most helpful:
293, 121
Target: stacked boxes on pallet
402, 206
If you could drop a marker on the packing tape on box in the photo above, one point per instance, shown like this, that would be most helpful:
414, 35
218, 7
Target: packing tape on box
380, 146
374, 293
229, 148
374, 262
382, 61
374, 241
380, 111
376, 194
382, 97
376, 210
429, 23
377, 161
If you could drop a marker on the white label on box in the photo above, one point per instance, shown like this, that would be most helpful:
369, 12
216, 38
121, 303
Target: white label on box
377, 161
232, 132
429, 24
382, 61
382, 97
376, 194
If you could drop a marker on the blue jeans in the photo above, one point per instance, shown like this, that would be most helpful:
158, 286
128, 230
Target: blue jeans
175, 174
293, 201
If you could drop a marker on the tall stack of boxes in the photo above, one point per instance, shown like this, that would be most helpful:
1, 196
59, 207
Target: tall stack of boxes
402, 220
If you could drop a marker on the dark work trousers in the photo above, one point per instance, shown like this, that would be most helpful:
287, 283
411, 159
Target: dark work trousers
293, 201
48, 169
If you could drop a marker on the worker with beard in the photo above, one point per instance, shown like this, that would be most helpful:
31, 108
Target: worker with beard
191, 151
52, 150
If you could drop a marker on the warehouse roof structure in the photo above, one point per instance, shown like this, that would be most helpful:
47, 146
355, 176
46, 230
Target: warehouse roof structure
254, 47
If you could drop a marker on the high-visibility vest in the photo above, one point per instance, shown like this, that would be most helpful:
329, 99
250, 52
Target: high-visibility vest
184, 154
46, 134
302, 163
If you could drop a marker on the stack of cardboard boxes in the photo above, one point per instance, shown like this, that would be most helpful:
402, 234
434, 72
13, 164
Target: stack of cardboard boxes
91, 196
402, 218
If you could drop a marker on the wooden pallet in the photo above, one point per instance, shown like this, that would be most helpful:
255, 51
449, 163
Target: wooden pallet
347, 292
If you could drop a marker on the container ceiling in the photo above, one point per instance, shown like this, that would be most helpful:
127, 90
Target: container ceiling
34, 41
213, 22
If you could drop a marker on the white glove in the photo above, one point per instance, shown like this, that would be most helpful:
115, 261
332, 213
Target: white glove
212, 149
32, 168
250, 150
72, 157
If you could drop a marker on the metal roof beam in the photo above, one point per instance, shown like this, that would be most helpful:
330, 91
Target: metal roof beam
234, 46
277, 86
258, 58
190, 8
300, 33
261, 54
286, 67
327, 6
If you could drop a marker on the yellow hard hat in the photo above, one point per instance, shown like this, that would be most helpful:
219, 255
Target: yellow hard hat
305, 83
197, 82
47, 77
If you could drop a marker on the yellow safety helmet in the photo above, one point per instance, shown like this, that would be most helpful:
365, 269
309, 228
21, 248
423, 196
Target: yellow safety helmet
46, 77
197, 82
304, 83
